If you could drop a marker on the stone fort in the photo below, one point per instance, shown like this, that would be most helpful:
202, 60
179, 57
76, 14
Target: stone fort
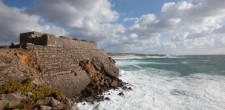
58, 59
45, 39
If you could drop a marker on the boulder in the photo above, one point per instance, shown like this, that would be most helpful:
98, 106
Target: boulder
43, 107
54, 103
45, 101
114, 83
12, 99
48, 101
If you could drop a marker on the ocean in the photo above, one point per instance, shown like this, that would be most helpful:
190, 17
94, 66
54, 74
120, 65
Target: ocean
168, 83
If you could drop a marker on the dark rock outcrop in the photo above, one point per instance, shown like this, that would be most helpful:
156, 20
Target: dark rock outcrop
101, 80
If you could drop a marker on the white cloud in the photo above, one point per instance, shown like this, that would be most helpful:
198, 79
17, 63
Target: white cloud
83, 18
14, 21
184, 27
130, 19
180, 6
194, 25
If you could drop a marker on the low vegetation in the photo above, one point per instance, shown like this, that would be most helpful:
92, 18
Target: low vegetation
37, 92
24, 86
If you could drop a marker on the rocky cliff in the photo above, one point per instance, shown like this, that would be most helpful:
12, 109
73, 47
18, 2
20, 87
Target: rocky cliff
77, 68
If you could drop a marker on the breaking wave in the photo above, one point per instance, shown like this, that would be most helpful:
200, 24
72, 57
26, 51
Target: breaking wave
158, 89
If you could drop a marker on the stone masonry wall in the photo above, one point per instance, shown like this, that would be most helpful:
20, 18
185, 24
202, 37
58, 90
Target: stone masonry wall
58, 60
60, 68
34, 38
68, 42
38, 38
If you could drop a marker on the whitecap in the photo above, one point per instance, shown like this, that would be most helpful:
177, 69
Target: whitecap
155, 89
184, 62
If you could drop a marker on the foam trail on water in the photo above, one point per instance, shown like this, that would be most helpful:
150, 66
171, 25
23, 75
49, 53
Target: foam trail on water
135, 63
155, 89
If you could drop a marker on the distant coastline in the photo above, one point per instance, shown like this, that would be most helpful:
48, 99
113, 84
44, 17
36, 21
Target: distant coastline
134, 55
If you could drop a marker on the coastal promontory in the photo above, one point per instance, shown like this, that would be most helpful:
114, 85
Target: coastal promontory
77, 68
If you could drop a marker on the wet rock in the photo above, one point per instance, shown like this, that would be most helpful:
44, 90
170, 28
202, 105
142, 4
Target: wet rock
121, 94
101, 80
106, 98
126, 88
96, 107
112, 60
89, 99
99, 98
72, 108
67, 102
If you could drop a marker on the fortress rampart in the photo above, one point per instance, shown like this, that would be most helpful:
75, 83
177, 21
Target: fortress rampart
58, 60
45, 39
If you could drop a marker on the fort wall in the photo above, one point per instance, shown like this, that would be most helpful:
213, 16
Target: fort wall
58, 60
45, 39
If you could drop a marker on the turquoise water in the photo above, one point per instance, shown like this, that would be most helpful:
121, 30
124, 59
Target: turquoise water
185, 65
175, 83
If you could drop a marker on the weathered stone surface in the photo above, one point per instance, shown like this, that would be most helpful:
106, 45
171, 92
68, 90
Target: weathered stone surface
54, 103
14, 67
114, 83
46, 39
101, 81
63, 70
45, 101
48, 103
108, 68
11, 99
58, 63
44, 107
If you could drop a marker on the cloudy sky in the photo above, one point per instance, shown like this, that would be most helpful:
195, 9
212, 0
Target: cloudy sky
137, 26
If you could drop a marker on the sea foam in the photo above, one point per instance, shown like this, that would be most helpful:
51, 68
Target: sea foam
155, 89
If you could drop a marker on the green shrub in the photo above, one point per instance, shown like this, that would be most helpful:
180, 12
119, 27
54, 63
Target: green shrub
27, 81
13, 86
25, 86
44, 91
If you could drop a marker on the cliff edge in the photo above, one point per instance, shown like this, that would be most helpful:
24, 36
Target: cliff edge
76, 67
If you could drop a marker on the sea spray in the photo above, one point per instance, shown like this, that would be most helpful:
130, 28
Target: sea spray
157, 88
